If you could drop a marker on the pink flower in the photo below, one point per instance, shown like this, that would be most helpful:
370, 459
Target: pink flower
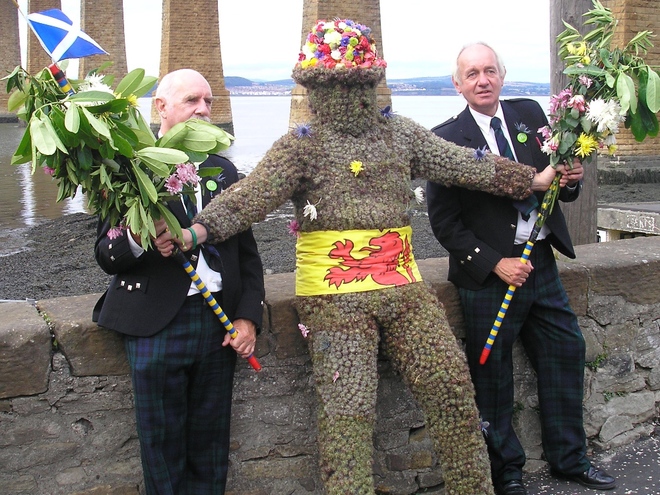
294, 228
187, 174
115, 232
303, 329
173, 184
546, 132
560, 100
578, 103
49, 171
585, 81
335, 376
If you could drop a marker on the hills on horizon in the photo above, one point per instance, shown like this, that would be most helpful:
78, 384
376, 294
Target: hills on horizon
439, 86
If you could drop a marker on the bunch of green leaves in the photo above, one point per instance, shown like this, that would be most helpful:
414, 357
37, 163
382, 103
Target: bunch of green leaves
99, 143
616, 72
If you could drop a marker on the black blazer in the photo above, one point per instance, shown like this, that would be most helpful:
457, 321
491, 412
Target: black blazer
146, 293
476, 228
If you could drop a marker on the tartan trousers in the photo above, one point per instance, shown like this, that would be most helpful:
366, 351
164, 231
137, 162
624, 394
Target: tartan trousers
541, 316
182, 384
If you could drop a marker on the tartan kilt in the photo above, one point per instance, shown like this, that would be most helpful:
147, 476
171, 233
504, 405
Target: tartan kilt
182, 382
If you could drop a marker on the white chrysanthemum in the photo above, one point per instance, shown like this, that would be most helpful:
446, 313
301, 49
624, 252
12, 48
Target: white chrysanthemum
310, 211
419, 195
335, 54
606, 114
94, 82
332, 38
309, 50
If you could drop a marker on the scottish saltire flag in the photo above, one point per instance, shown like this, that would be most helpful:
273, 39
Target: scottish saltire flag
60, 38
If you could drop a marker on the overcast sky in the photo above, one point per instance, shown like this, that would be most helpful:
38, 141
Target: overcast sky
260, 39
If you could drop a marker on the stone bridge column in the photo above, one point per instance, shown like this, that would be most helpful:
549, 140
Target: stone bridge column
10, 52
191, 39
365, 12
104, 23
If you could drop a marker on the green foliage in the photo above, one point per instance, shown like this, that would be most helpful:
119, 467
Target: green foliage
617, 72
96, 141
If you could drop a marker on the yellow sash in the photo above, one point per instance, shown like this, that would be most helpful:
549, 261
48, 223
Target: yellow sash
337, 262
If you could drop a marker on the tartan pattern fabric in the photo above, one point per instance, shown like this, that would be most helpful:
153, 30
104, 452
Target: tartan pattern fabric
182, 382
541, 316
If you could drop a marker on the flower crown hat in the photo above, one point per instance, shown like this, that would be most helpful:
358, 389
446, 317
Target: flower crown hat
341, 50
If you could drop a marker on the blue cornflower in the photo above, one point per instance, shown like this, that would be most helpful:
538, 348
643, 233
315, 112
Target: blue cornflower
303, 130
520, 127
480, 153
387, 112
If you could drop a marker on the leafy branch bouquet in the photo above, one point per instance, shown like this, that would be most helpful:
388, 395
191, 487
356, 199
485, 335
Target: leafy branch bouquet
607, 86
95, 139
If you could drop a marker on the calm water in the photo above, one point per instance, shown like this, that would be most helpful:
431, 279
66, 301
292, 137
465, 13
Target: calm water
27, 199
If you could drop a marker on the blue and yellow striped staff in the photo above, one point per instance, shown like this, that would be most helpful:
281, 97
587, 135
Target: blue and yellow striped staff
210, 300
544, 210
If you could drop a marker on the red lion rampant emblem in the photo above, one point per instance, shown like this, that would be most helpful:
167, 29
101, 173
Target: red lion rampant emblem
386, 253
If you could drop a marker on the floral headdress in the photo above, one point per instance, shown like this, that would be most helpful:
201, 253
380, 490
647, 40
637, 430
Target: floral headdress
340, 44
333, 51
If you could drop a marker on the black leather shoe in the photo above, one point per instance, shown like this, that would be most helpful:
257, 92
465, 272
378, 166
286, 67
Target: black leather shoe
594, 478
513, 487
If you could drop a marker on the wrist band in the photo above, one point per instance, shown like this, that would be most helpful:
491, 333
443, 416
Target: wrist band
194, 237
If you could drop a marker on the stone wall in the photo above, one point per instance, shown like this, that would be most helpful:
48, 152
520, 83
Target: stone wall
66, 416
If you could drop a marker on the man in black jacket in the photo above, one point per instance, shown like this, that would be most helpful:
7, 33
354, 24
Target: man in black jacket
181, 358
485, 236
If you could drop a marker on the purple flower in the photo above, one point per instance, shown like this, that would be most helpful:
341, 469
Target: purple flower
480, 153
387, 112
294, 228
303, 130
115, 232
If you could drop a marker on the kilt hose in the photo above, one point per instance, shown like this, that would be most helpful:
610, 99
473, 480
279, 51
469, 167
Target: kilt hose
182, 382
541, 316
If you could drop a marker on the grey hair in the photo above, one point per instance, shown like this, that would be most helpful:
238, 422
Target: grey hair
500, 64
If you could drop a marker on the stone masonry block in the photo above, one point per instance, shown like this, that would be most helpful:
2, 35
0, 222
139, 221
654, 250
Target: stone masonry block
90, 349
25, 348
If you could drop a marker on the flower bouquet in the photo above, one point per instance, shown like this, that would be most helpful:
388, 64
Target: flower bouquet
95, 139
608, 86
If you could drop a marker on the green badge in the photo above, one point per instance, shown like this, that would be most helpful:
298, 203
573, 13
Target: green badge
211, 185
522, 137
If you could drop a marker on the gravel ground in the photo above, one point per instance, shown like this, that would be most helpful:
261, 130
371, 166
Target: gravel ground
58, 258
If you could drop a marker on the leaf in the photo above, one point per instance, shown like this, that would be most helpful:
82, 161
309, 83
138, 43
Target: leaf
42, 138
209, 171
174, 136
72, 119
653, 90
130, 82
92, 96
16, 100
23, 152
114, 106
98, 125
170, 219
148, 83
158, 168
165, 155
147, 188
625, 90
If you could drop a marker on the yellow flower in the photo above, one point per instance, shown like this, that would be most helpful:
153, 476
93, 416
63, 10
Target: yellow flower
585, 145
579, 49
356, 167
133, 101
586, 60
